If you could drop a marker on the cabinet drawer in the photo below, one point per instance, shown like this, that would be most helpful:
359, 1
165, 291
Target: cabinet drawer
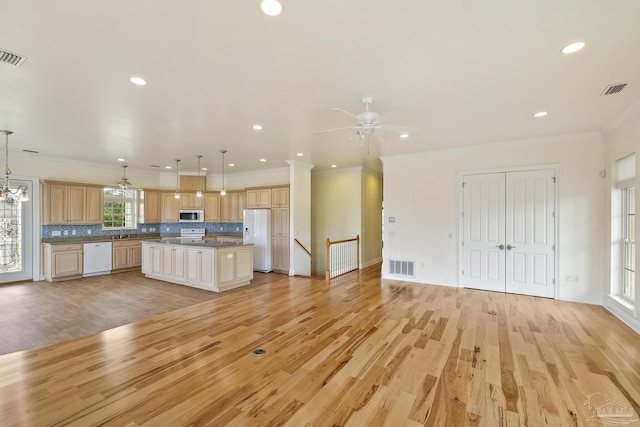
66, 248
126, 243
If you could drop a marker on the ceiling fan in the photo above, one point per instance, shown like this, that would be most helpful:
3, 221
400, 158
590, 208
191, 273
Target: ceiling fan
368, 124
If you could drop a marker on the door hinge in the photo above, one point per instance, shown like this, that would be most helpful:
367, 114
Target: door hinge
463, 185
553, 214
554, 179
463, 272
554, 247
463, 243
553, 281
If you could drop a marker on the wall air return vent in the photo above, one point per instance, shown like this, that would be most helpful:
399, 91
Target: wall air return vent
11, 58
613, 89
402, 268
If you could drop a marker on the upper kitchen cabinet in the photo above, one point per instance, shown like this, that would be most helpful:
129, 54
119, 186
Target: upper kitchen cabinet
231, 207
150, 203
211, 207
280, 197
64, 203
170, 207
95, 205
258, 198
190, 201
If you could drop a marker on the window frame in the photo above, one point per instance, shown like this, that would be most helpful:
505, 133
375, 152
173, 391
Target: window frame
130, 219
628, 247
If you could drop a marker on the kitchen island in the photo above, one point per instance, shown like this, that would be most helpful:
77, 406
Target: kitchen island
214, 266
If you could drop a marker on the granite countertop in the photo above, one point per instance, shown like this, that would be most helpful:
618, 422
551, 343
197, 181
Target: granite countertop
199, 243
109, 238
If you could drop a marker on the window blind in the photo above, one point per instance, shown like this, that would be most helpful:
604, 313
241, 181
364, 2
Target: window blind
626, 171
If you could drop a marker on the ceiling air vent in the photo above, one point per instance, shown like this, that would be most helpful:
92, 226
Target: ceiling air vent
612, 89
11, 58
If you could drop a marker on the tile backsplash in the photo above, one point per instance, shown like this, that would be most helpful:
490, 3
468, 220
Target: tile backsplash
49, 231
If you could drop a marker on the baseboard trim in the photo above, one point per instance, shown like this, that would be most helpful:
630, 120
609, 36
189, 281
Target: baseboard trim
584, 299
370, 263
622, 313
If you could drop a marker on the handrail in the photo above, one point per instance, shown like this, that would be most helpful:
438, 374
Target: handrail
344, 260
302, 246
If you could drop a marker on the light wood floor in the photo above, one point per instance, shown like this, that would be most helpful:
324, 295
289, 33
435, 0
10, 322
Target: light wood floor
357, 351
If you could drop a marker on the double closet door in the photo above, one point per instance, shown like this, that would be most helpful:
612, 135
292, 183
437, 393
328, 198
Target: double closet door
509, 232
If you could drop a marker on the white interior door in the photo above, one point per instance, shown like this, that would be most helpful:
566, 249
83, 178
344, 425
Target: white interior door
509, 232
530, 233
484, 232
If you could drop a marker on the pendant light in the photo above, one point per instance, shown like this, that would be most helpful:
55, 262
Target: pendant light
223, 192
124, 182
199, 191
177, 195
19, 193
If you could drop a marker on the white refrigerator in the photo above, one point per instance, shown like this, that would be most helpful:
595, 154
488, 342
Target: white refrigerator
257, 231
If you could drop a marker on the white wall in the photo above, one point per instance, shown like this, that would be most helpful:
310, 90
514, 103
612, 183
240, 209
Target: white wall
300, 217
371, 232
620, 141
421, 192
335, 210
58, 169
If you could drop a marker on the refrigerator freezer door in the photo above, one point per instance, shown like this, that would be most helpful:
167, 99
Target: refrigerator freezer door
257, 231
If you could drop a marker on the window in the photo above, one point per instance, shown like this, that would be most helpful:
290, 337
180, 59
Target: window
629, 242
119, 208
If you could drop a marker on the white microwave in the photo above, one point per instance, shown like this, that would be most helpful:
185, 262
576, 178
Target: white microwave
190, 215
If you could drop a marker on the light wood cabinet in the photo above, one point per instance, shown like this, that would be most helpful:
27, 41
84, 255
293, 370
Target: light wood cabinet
127, 254
231, 207
62, 262
190, 201
280, 239
150, 207
258, 199
213, 268
64, 204
170, 207
95, 205
211, 207
280, 197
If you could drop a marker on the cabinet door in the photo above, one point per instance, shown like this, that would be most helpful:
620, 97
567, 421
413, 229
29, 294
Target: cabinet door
280, 254
240, 207
67, 264
207, 269
56, 204
156, 257
228, 207
280, 198
264, 198
279, 222
95, 205
179, 258
152, 207
120, 258
135, 256
192, 265
167, 262
169, 207
226, 266
244, 264
211, 208
76, 210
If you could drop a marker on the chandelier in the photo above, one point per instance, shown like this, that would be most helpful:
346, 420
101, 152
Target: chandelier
6, 193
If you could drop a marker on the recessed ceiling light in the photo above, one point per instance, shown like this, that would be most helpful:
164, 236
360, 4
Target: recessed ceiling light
204, 169
334, 166
257, 127
263, 160
271, 7
121, 160
167, 167
404, 135
300, 154
231, 165
138, 81
572, 48
540, 114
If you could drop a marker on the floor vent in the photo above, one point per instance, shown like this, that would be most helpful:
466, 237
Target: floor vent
402, 268
11, 58
613, 89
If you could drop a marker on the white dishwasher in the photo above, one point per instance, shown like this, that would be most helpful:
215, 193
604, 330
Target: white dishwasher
97, 259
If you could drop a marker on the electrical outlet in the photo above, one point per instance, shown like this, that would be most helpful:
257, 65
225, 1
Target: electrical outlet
56, 233
65, 232
144, 229
73, 232
571, 278
88, 231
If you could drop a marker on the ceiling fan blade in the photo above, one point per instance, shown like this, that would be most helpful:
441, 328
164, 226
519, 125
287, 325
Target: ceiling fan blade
346, 112
401, 129
336, 129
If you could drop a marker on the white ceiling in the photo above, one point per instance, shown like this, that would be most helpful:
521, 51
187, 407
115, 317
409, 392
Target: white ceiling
462, 72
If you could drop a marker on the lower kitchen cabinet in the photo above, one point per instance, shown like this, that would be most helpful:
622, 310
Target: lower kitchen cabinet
127, 254
62, 262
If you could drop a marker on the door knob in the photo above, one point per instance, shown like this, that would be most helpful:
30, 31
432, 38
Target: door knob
500, 246
509, 247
